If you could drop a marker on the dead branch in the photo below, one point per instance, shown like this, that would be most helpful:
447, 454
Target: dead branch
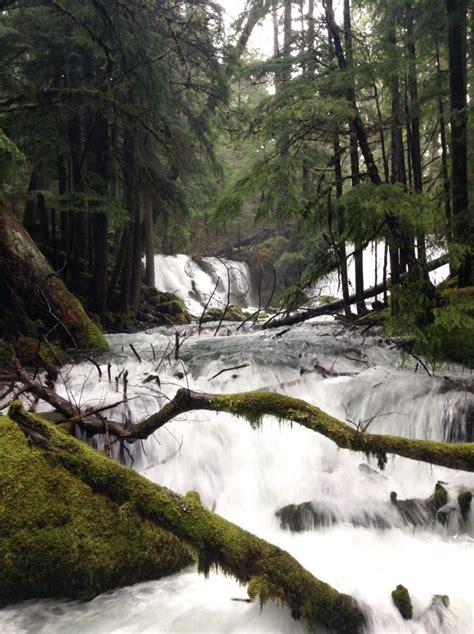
235, 367
135, 353
207, 305
334, 307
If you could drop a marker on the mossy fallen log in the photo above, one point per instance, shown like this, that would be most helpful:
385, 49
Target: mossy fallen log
254, 405
59, 538
269, 572
333, 307
33, 299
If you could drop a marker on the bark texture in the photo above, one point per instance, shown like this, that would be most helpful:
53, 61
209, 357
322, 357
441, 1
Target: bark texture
32, 292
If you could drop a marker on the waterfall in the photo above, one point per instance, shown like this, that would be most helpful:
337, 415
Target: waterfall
362, 547
195, 279
374, 262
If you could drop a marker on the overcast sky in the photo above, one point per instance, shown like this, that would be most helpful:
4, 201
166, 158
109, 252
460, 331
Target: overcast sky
262, 37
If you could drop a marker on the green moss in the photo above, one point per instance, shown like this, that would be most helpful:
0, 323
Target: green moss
458, 345
233, 313
264, 590
401, 599
34, 352
60, 539
440, 496
219, 543
86, 333
464, 501
254, 405
452, 332
168, 307
51, 309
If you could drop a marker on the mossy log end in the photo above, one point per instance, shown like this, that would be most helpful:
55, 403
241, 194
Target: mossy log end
270, 572
33, 292
59, 539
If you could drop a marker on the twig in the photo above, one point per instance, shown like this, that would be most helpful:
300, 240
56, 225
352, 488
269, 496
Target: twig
125, 384
228, 299
207, 305
94, 363
92, 412
135, 352
235, 367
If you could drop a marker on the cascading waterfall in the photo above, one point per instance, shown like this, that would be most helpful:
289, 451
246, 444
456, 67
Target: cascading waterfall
374, 264
357, 540
195, 279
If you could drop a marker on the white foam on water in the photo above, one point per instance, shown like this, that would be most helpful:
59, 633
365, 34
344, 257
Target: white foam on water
195, 280
247, 475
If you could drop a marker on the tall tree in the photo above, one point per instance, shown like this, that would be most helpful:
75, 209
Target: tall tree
457, 47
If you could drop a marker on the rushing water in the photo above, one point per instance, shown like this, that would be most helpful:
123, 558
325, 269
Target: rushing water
198, 279
362, 547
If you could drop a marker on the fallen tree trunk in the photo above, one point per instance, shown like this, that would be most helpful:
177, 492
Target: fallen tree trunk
333, 307
254, 405
59, 539
34, 302
270, 572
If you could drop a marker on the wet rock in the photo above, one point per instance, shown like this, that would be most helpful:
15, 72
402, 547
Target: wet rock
441, 599
309, 516
373, 474
419, 512
401, 599
304, 517
412, 512
233, 313
464, 501
434, 616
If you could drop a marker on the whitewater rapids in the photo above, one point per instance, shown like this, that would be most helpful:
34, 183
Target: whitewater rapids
246, 476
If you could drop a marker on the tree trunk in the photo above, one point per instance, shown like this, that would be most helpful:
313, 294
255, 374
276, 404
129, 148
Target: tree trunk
74, 542
64, 223
414, 114
354, 155
35, 217
457, 45
341, 249
33, 284
334, 307
136, 255
99, 165
357, 120
149, 244
444, 147
131, 275
118, 266
78, 233
276, 45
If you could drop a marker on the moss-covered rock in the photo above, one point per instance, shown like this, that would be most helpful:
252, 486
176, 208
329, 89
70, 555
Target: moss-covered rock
59, 538
401, 599
465, 501
233, 313
167, 308
440, 496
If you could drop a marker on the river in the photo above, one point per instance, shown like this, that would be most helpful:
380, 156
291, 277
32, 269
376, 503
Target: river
362, 546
